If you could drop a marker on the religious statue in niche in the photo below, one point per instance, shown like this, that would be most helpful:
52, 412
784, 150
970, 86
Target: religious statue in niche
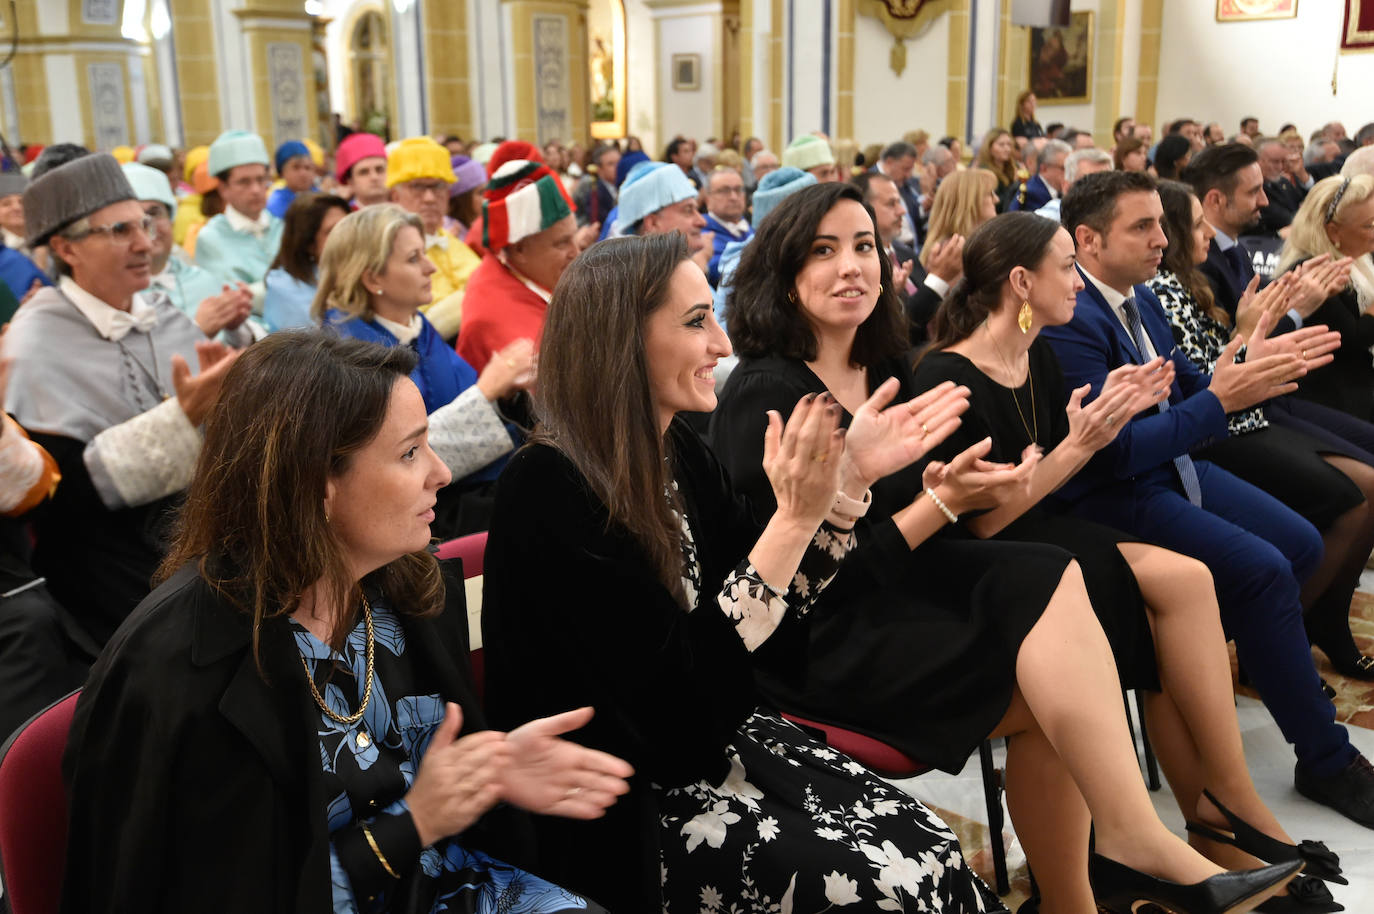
603, 80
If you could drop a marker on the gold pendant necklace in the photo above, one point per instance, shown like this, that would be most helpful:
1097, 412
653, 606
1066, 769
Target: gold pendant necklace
367, 689
1030, 376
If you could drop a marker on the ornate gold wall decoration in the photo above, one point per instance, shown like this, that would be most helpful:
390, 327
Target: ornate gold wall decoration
903, 19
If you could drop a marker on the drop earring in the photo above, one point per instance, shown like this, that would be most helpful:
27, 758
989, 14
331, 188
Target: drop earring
1023, 317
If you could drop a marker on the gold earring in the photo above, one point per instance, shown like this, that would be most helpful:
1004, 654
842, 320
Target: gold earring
1023, 317
792, 296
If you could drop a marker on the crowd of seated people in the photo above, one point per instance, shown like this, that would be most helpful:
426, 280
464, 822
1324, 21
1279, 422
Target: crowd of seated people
1077, 416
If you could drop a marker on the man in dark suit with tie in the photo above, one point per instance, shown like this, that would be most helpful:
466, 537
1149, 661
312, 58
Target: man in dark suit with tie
897, 162
1048, 180
1145, 482
1230, 185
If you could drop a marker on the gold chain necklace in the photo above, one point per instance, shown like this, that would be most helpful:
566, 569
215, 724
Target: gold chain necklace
367, 689
1030, 376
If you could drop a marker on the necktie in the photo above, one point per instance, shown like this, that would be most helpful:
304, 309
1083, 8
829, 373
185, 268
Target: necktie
1187, 472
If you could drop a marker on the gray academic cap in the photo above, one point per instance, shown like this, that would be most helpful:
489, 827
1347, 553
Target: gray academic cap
71, 192
11, 183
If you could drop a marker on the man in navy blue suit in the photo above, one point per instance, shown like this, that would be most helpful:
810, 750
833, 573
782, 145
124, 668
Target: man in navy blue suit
1048, 182
1145, 482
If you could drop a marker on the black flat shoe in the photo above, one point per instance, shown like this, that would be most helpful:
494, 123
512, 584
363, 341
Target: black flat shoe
1317, 859
1122, 890
1306, 895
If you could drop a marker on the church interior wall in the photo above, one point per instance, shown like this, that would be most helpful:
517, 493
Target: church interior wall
1277, 70
887, 105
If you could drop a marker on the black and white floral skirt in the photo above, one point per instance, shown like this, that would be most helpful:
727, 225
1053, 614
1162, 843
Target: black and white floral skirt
798, 827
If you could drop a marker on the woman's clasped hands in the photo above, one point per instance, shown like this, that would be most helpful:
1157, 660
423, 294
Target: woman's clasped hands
461, 778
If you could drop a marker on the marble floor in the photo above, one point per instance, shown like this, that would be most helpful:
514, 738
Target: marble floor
1271, 765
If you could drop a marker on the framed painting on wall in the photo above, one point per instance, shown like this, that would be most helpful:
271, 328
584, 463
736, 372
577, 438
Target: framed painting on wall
1247, 10
1061, 62
687, 72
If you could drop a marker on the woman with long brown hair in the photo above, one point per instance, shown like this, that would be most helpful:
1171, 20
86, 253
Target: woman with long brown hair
623, 571
997, 154
277, 726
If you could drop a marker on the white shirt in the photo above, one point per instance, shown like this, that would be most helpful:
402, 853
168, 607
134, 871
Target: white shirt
404, 333
1224, 241
110, 322
241, 223
12, 240
738, 228
1116, 301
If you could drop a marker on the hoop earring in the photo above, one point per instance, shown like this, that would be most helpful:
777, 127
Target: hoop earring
1023, 317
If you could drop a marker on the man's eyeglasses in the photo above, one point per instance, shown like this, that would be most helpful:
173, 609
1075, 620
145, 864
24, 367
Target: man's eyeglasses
123, 232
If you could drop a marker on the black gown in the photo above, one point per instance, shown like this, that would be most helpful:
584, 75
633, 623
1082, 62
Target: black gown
993, 412
916, 647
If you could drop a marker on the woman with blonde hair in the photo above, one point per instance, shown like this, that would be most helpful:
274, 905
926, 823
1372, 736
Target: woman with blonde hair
374, 276
964, 201
997, 154
1337, 219
1025, 124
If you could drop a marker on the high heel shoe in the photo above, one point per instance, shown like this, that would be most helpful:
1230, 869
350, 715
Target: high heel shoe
1122, 890
1306, 895
1318, 860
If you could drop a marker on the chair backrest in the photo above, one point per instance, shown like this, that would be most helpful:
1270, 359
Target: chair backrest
33, 810
471, 549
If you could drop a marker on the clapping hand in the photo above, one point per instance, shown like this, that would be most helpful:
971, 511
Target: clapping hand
947, 259
225, 311
555, 777
1317, 280
509, 369
458, 780
1259, 378
802, 459
968, 482
882, 441
197, 394
1315, 345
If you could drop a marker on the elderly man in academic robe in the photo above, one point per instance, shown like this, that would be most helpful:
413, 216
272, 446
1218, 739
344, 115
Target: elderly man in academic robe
529, 233
101, 378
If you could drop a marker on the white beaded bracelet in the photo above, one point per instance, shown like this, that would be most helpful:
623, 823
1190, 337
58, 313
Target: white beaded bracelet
938, 502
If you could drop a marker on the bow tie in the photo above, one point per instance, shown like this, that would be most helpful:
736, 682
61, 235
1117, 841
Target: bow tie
436, 241
121, 322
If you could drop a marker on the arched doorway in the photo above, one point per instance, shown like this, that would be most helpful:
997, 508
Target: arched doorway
369, 64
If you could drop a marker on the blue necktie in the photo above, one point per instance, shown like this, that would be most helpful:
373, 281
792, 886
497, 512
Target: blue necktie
1187, 472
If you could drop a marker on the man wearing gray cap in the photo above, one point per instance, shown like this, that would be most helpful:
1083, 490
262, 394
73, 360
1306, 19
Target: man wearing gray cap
100, 378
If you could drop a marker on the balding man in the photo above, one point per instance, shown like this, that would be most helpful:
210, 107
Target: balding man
1286, 183
724, 215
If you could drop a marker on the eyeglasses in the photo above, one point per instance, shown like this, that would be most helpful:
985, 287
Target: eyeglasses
732, 191
123, 232
420, 188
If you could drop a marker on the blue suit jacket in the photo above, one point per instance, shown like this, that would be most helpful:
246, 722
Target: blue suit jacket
723, 236
1034, 194
1095, 342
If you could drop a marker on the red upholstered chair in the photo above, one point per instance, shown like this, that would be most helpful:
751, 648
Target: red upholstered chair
33, 810
470, 549
873, 754
890, 762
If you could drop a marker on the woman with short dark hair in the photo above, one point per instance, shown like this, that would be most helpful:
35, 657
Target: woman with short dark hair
276, 727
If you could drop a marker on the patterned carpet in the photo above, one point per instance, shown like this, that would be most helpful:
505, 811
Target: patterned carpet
958, 800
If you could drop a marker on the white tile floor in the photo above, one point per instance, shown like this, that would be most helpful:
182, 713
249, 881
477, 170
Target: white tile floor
1271, 766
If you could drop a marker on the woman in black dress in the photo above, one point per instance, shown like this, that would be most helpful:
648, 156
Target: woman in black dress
1020, 276
623, 572
933, 642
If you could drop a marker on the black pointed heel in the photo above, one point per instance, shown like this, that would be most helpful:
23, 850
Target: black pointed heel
1122, 890
1318, 860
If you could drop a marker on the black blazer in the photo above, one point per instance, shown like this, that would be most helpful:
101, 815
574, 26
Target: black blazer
1347, 383
1284, 200
194, 781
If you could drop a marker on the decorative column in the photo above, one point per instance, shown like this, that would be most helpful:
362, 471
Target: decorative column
193, 29
552, 82
73, 60
448, 93
278, 40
